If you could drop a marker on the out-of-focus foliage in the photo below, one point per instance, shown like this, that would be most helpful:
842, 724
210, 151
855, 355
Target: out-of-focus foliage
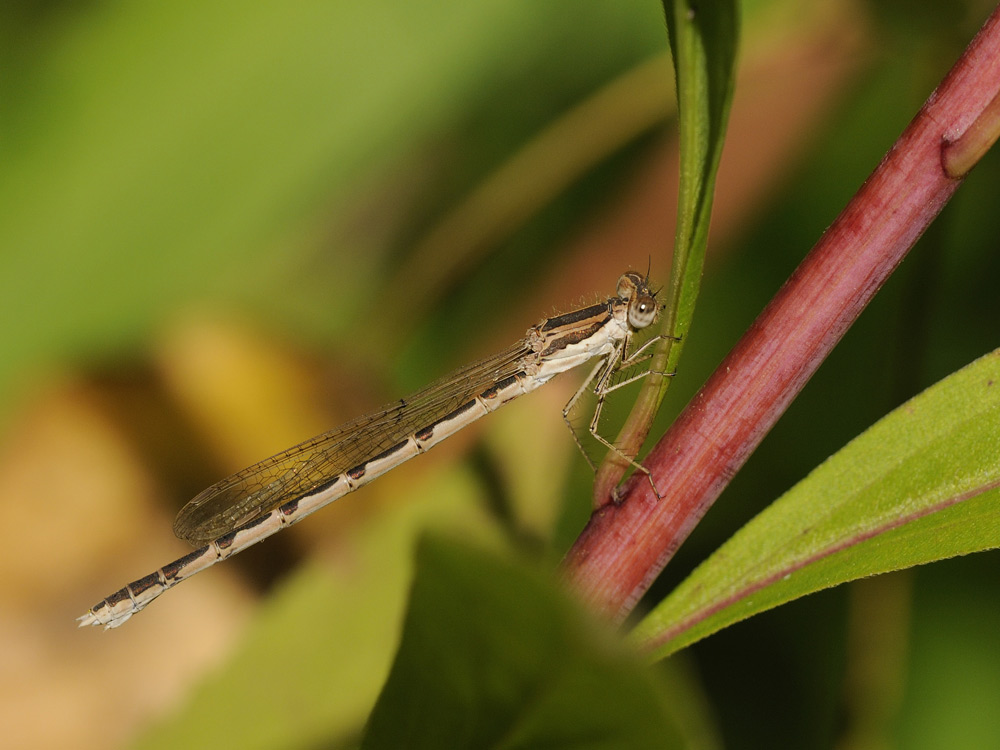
176, 162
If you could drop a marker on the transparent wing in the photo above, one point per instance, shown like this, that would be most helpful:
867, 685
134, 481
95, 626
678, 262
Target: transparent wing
299, 470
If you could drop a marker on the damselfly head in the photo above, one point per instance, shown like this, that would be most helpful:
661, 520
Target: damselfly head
642, 305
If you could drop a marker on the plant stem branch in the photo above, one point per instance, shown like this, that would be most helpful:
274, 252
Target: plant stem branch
624, 547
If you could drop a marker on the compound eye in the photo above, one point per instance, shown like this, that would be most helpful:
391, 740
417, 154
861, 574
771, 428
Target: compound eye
642, 312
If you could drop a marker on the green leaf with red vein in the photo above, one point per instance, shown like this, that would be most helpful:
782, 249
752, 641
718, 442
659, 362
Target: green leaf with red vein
920, 485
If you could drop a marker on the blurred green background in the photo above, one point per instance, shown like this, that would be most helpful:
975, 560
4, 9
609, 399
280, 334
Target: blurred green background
225, 227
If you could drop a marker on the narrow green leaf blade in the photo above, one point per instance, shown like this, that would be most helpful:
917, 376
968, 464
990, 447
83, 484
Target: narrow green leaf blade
920, 485
703, 41
703, 44
492, 656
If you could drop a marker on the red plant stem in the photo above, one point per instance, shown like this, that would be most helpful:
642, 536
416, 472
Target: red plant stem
624, 547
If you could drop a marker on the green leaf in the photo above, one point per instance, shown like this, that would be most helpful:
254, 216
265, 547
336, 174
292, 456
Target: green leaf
920, 485
703, 42
703, 45
493, 656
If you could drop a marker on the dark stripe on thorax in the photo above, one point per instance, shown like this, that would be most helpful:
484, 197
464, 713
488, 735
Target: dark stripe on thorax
576, 316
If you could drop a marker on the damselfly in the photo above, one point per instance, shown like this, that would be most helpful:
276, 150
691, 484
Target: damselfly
263, 499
